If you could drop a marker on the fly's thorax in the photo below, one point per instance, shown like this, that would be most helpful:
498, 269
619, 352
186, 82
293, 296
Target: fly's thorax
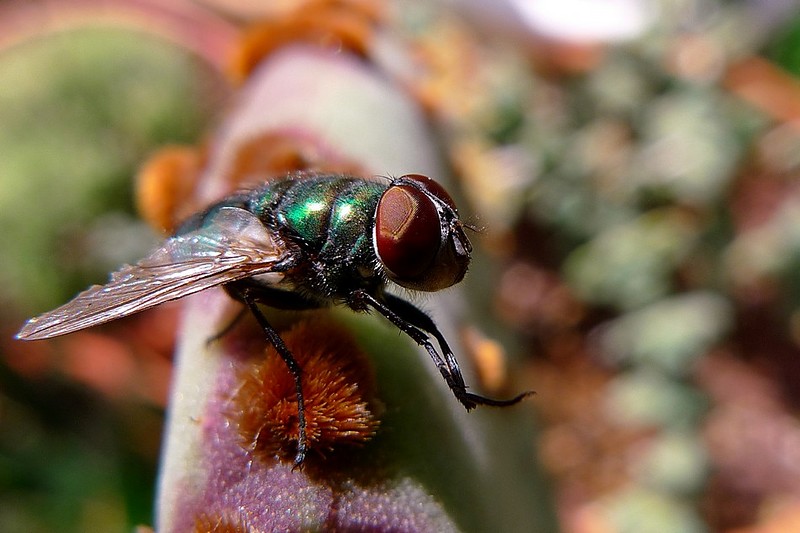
313, 209
330, 219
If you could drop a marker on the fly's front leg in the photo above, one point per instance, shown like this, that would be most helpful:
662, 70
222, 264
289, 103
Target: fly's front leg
291, 363
362, 300
421, 320
418, 326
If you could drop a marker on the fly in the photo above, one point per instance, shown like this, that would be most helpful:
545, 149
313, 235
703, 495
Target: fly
302, 242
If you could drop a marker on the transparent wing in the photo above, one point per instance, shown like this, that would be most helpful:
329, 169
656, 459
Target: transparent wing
231, 245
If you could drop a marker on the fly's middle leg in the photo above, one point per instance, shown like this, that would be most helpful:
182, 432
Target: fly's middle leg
291, 364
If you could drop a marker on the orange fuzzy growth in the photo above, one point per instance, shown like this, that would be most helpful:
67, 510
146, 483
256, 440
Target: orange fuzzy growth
341, 24
338, 388
165, 184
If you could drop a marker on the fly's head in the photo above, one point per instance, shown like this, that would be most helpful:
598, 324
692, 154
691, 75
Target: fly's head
418, 237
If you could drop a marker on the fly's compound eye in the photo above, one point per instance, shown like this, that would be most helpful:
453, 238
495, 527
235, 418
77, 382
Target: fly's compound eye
430, 186
417, 235
408, 232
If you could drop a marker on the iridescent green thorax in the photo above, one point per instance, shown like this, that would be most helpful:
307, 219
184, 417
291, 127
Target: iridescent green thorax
330, 218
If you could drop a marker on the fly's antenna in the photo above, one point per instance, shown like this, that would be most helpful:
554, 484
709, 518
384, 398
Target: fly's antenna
473, 226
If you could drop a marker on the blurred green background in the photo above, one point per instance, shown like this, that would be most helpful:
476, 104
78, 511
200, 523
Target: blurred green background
81, 108
641, 199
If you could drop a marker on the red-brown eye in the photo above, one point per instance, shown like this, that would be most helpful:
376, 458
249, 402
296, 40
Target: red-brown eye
407, 231
432, 187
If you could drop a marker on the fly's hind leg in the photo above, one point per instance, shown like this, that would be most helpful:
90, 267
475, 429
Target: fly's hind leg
228, 327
